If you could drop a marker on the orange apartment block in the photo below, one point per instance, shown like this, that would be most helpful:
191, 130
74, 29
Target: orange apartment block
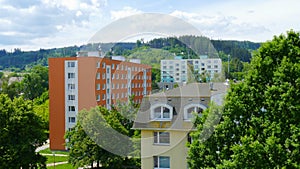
76, 83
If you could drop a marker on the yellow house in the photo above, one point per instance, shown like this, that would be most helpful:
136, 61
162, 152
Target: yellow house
165, 122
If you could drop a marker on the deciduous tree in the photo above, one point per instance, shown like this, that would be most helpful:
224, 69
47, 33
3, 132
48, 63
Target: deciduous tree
21, 132
260, 125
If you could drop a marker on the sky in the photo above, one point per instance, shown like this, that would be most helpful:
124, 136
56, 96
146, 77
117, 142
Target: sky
36, 24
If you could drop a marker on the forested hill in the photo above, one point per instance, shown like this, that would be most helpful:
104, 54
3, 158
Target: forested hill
187, 46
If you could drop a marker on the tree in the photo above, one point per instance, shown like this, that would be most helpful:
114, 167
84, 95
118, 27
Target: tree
21, 132
41, 108
88, 138
35, 83
12, 90
260, 125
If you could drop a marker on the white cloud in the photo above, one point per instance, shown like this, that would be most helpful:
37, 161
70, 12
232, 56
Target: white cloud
78, 13
126, 11
219, 26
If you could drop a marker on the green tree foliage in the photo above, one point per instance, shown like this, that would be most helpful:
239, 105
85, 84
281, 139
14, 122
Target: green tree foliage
86, 149
260, 125
35, 83
21, 132
236, 49
1, 75
21, 59
41, 108
12, 90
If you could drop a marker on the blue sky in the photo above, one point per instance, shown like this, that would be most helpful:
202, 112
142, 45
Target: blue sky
35, 24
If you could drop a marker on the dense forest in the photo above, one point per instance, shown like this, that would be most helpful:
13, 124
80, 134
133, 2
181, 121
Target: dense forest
186, 46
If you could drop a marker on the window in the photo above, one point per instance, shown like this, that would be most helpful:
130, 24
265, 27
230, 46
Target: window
98, 76
98, 65
71, 64
71, 108
161, 162
71, 97
103, 76
98, 86
98, 97
188, 110
215, 66
71, 75
209, 66
71, 86
162, 112
103, 65
103, 87
161, 137
112, 66
103, 96
71, 119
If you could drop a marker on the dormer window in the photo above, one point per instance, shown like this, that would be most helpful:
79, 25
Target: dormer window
191, 108
161, 112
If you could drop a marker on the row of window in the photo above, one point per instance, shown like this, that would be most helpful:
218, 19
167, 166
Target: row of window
120, 67
163, 138
165, 112
122, 76
189, 61
115, 86
119, 95
195, 67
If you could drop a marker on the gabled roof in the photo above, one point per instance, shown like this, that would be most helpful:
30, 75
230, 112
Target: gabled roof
189, 90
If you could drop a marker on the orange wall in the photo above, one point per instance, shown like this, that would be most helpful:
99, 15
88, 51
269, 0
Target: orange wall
87, 70
57, 102
86, 82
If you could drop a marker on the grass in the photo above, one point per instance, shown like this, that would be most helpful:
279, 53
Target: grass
48, 151
50, 159
62, 166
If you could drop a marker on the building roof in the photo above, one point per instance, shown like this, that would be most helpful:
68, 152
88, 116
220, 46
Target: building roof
178, 98
189, 90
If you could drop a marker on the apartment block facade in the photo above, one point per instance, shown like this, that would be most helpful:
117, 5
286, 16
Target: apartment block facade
165, 121
77, 83
176, 70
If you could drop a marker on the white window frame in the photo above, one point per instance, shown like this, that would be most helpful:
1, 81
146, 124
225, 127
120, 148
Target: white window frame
71, 119
153, 107
98, 97
71, 64
71, 75
98, 86
71, 86
157, 137
71, 97
185, 109
71, 107
158, 162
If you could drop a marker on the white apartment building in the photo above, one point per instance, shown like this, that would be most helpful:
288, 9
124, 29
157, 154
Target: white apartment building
176, 70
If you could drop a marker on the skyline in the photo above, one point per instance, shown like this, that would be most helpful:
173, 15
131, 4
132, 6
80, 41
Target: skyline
35, 24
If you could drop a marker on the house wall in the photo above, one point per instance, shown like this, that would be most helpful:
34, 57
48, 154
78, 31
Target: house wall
177, 150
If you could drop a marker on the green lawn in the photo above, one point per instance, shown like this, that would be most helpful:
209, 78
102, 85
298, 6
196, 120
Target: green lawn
50, 159
48, 151
62, 166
